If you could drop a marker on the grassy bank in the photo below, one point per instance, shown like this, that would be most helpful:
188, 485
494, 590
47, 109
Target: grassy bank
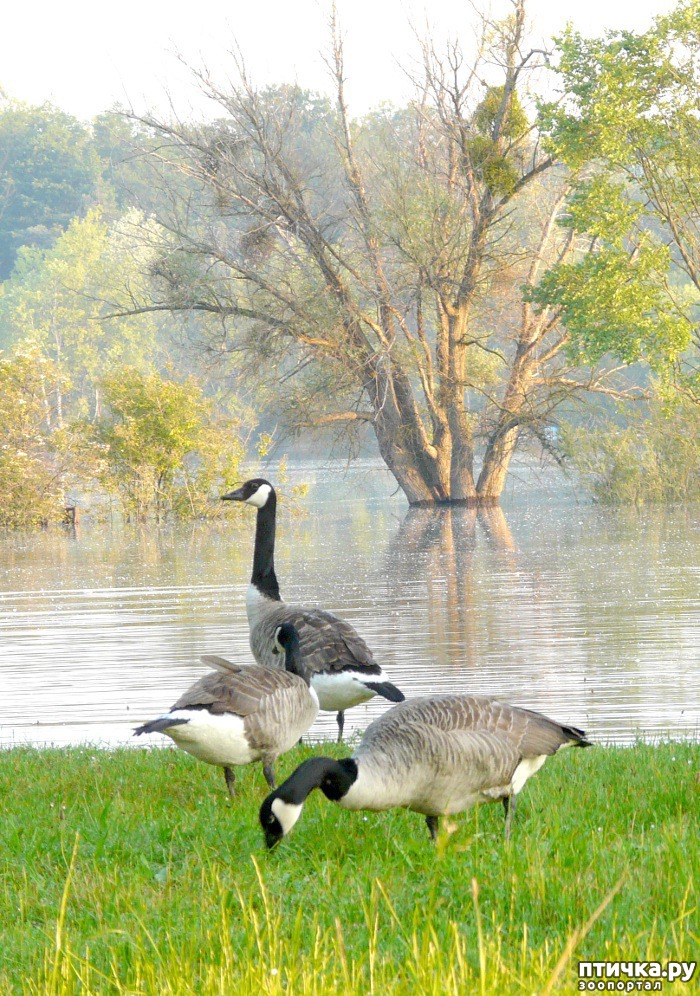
129, 872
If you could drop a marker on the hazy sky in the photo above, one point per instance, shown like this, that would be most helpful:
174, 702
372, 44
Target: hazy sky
85, 56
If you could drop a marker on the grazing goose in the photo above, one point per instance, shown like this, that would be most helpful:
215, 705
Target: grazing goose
237, 715
343, 670
436, 755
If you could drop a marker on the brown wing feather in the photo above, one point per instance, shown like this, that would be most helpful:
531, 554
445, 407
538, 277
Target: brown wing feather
531, 733
241, 692
220, 664
327, 642
282, 718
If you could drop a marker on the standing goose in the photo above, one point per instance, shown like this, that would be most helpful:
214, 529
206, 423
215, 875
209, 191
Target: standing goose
238, 715
343, 670
437, 756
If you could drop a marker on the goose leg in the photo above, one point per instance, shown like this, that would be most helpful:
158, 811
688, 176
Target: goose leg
269, 775
341, 723
230, 777
509, 806
432, 822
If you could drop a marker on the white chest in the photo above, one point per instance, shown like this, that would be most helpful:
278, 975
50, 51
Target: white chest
258, 607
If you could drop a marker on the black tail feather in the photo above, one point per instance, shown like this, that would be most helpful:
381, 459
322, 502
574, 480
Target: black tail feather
577, 736
159, 725
386, 690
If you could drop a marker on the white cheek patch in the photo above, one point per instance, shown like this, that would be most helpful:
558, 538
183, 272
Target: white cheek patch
287, 813
259, 498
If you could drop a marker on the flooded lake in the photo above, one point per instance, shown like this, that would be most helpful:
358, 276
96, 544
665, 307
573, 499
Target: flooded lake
588, 614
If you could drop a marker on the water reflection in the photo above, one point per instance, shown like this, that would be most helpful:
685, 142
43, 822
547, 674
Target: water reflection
436, 548
588, 614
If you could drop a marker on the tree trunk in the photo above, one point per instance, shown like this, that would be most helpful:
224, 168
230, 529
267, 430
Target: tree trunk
494, 470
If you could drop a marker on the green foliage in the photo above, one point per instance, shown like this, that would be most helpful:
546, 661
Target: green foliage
611, 304
605, 208
127, 172
489, 150
629, 126
495, 167
160, 449
61, 298
654, 459
163, 449
351, 261
48, 174
488, 115
130, 872
30, 477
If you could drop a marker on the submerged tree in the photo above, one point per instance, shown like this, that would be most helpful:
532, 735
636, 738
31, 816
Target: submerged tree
377, 265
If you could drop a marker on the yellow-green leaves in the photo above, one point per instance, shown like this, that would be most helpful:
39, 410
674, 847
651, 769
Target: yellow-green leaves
628, 127
163, 445
30, 479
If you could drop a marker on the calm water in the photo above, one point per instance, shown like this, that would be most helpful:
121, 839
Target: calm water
588, 614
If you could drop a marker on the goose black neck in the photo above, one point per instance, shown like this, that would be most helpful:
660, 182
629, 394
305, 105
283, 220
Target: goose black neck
294, 661
264, 577
334, 778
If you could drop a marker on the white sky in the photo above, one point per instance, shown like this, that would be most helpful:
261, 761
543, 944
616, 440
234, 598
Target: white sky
87, 55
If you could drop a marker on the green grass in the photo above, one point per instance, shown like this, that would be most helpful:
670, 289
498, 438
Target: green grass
129, 872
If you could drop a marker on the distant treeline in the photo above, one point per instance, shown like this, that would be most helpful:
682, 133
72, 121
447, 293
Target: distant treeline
53, 168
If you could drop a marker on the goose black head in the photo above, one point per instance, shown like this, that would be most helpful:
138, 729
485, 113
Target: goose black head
286, 642
277, 818
283, 807
255, 492
286, 638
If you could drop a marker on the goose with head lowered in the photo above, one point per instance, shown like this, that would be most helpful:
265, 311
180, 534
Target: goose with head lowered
343, 670
437, 755
238, 715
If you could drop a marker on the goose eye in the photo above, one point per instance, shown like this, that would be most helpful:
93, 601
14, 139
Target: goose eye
271, 818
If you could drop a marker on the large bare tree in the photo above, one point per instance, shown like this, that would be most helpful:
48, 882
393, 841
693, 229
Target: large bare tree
375, 269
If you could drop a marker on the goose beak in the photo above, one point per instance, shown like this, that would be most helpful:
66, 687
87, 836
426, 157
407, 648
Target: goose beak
235, 495
271, 839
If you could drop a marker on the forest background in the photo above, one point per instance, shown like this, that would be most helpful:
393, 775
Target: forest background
510, 260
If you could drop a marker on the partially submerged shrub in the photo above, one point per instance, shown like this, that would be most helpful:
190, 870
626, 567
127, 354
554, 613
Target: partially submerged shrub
655, 459
162, 447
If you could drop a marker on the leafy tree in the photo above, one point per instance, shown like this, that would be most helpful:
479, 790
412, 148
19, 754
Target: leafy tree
58, 298
629, 125
371, 270
162, 446
31, 475
48, 174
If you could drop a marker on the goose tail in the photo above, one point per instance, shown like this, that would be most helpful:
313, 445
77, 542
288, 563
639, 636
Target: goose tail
386, 690
577, 738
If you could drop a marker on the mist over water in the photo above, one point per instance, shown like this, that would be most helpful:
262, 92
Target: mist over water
591, 615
